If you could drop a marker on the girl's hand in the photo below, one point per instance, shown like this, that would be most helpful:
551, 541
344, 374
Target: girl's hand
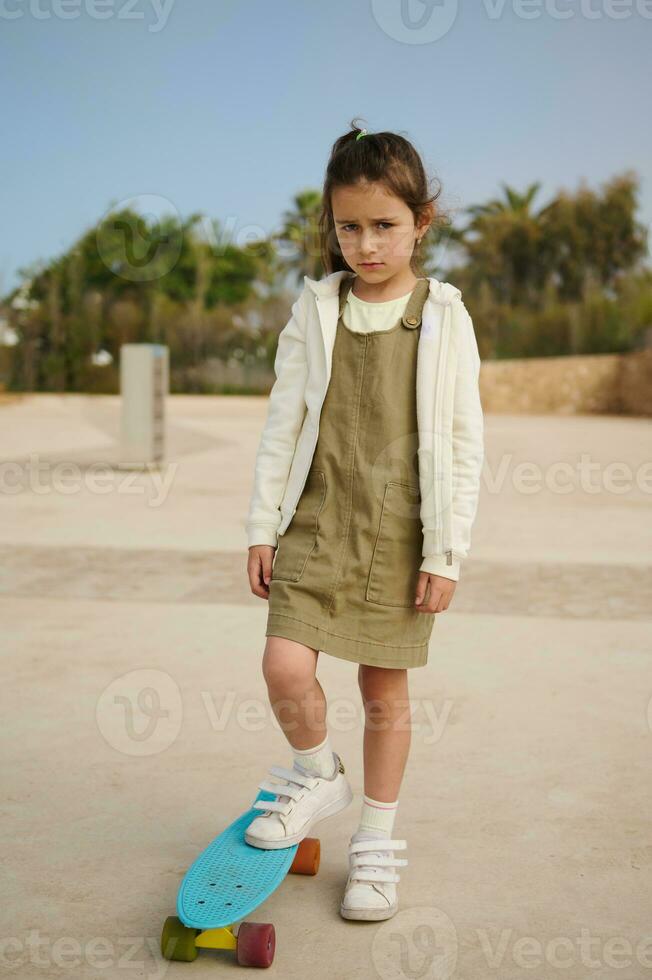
441, 593
259, 568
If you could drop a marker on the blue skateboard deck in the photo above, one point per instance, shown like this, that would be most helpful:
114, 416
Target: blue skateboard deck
231, 878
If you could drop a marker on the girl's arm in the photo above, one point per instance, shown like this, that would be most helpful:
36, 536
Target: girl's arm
285, 413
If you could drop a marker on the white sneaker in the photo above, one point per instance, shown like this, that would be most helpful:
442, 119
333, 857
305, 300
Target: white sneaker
370, 891
303, 800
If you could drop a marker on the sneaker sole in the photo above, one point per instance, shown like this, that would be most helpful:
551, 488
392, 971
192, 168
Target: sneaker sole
327, 811
368, 915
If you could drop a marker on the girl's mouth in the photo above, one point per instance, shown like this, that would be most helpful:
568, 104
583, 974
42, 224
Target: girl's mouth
370, 265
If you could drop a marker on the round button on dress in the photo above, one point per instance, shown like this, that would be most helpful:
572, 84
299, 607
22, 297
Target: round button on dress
345, 571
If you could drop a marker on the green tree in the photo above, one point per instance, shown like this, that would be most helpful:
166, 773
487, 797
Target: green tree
593, 236
299, 236
502, 241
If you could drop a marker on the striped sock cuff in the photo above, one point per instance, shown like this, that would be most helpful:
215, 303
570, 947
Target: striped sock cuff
377, 815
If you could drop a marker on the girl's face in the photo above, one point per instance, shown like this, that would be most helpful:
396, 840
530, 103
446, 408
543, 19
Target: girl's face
375, 230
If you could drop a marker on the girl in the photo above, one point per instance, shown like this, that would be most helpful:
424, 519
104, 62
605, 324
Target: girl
366, 487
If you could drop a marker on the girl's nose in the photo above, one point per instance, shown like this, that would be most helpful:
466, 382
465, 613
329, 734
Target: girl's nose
367, 242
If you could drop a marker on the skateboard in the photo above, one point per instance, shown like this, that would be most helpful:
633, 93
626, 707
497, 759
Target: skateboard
227, 882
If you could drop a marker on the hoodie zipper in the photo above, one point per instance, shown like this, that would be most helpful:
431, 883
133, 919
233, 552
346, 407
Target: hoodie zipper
443, 351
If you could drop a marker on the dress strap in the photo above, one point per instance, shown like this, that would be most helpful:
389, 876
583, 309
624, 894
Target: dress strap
345, 285
415, 304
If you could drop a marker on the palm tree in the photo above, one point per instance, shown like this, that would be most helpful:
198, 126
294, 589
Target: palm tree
301, 233
503, 243
514, 202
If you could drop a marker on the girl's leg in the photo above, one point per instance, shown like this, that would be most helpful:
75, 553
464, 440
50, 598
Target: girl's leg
387, 732
295, 694
386, 745
299, 704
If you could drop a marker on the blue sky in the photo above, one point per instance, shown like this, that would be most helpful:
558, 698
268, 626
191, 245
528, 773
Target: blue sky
230, 108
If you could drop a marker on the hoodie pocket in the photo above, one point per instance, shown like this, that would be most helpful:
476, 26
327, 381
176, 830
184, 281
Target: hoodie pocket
298, 542
396, 557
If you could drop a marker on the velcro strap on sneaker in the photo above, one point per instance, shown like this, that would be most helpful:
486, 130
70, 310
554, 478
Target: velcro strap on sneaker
277, 805
378, 861
371, 874
281, 790
293, 776
379, 844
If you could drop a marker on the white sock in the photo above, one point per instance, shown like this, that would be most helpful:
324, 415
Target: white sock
319, 759
376, 819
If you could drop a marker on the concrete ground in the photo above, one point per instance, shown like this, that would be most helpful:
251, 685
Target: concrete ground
136, 723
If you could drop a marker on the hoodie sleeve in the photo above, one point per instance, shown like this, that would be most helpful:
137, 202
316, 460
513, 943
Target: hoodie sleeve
468, 435
467, 449
285, 414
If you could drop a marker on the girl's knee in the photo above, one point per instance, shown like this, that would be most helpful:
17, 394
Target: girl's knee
287, 664
379, 682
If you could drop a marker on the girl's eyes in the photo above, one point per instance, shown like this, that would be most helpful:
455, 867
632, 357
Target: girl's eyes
386, 224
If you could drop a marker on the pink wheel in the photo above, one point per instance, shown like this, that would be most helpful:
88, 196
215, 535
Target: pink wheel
256, 942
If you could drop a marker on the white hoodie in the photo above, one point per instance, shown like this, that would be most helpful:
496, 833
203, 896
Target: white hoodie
449, 415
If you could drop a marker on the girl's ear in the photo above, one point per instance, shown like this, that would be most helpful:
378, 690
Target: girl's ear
425, 220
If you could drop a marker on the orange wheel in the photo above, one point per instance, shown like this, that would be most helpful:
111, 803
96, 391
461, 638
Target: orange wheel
306, 860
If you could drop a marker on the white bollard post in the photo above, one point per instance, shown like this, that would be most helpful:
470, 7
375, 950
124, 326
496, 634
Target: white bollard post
144, 383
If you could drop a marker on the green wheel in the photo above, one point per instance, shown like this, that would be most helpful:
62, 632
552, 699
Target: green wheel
178, 941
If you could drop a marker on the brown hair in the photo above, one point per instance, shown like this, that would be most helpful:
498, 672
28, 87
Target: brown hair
389, 159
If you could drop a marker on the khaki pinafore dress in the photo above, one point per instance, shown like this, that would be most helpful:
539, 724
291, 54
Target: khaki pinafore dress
345, 571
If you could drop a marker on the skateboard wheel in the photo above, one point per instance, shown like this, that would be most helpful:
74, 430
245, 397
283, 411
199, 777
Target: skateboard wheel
256, 942
306, 860
178, 941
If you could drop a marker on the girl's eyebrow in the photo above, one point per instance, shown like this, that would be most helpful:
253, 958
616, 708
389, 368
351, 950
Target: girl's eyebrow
351, 221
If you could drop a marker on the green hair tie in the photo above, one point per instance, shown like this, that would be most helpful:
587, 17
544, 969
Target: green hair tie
363, 132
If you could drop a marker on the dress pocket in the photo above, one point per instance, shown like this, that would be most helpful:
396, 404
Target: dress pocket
298, 542
396, 557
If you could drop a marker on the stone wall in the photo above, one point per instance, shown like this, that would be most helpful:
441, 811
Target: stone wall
618, 384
